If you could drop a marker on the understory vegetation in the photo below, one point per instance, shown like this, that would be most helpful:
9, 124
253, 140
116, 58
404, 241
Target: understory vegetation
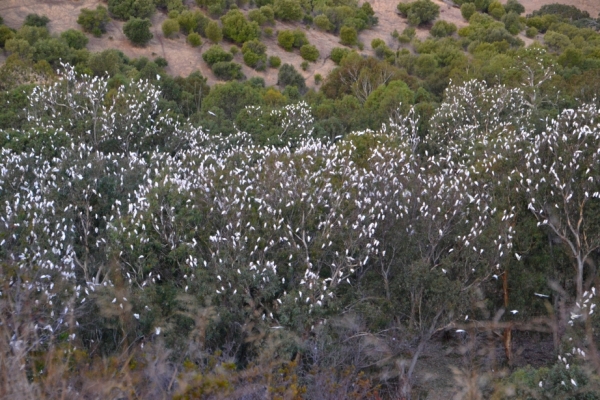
438, 200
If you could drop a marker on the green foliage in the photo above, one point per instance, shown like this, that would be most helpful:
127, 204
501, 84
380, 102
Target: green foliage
138, 31
194, 39
274, 62
442, 28
74, 39
108, 62
51, 50
375, 43
496, 9
556, 41
216, 54
338, 53
257, 16
304, 65
348, 36
192, 21
255, 54
467, 10
288, 10
213, 32
288, 76
531, 32
237, 28
323, 23
514, 6
285, 39
512, 23
94, 21
36, 20
227, 71
5, 34
419, 12
125, 9
568, 12
291, 39
230, 98
170, 27
309, 52
268, 13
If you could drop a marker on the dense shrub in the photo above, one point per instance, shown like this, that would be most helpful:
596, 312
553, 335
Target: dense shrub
531, 32
496, 9
74, 39
291, 39
192, 21
254, 54
170, 27
125, 9
227, 71
419, 12
36, 20
274, 62
237, 28
288, 10
216, 54
467, 10
138, 31
348, 36
337, 53
194, 39
288, 76
322, 22
514, 6
442, 28
309, 52
94, 21
213, 32
563, 11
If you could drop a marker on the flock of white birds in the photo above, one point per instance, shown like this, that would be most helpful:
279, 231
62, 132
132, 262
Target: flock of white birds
288, 225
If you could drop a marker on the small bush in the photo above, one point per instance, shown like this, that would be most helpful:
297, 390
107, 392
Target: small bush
304, 65
309, 52
318, 79
194, 39
274, 62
